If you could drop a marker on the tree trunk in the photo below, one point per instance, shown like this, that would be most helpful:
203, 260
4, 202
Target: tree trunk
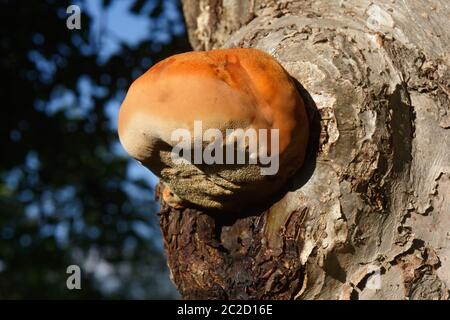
368, 216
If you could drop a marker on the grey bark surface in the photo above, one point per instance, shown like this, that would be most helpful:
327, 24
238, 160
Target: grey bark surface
368, 216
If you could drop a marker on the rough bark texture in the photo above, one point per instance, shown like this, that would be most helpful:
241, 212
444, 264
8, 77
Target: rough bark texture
373, 199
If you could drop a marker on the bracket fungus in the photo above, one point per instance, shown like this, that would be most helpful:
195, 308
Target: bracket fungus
175, 115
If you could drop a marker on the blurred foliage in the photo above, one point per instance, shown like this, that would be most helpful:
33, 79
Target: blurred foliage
65, 196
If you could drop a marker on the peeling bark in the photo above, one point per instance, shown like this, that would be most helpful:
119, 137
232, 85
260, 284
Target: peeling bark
371, 203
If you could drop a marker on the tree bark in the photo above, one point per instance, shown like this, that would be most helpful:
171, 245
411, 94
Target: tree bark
368, 216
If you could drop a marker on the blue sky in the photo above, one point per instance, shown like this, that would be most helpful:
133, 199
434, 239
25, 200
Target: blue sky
110, 27
117, 24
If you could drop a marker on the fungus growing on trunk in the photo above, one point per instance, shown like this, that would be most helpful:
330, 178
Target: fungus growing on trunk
223, 129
